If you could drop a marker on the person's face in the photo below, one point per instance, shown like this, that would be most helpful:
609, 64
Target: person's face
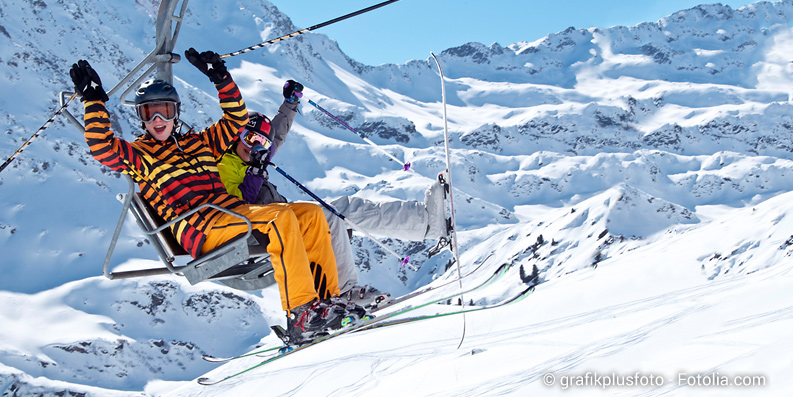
160, 129
243, 151
159, 117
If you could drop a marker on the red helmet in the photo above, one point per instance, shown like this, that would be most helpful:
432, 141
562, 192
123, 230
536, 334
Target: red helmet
259, 124
257, 131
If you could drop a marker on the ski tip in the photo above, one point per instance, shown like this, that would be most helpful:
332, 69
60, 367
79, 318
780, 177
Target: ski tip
205, 382
406, 167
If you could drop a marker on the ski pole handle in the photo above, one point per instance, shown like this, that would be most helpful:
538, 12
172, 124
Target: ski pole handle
37, 133
306, 30
405, 166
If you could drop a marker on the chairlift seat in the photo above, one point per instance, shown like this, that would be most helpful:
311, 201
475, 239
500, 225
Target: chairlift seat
241, 263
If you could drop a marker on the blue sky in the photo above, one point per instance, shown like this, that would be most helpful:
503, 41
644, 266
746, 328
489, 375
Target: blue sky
410, 29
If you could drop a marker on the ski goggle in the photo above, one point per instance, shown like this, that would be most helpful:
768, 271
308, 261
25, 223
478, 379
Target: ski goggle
251, 139
167, 111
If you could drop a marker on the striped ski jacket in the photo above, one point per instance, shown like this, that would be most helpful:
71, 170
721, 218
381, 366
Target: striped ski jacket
180, 173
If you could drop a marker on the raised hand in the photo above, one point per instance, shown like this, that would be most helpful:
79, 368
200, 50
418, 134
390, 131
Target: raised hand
86, 82
209, 63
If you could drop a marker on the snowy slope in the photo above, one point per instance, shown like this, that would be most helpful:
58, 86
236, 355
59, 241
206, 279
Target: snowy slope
643, 170
675, 306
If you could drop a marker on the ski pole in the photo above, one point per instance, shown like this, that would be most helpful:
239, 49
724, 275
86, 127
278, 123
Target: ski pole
405, 166
306, 30
448, 165
342, 217
43, 127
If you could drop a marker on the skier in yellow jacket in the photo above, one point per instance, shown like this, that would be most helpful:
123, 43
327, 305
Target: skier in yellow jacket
177, 172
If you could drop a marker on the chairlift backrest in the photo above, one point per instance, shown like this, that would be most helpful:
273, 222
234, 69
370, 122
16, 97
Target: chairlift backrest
165, 238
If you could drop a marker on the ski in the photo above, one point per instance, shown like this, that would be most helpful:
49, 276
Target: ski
517, 298
445, 178
218, 360
403, 298
373, 325
532, 284
498, 274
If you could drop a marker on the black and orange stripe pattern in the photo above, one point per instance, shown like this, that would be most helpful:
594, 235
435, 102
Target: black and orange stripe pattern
320, 281
177, 174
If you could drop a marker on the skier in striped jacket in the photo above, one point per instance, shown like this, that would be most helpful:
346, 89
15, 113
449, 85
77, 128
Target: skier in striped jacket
177, 172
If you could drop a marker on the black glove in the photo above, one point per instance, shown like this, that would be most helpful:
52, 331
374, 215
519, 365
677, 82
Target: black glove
258, 161
293, 91
209, 63
86, 82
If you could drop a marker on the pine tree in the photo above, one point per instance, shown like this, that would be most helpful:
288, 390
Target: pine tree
598, 258
529, 279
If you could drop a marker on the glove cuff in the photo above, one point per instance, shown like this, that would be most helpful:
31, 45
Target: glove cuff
257, 170
98, 94
221, 80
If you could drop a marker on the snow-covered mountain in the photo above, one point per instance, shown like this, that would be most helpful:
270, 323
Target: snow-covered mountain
658, 155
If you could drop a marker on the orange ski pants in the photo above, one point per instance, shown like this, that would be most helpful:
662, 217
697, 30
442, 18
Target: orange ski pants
299, 247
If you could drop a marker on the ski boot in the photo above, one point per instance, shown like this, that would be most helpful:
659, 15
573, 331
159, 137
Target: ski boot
439, 226
310, 321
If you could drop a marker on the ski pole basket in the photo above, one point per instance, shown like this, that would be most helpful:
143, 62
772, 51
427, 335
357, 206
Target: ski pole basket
241, 263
